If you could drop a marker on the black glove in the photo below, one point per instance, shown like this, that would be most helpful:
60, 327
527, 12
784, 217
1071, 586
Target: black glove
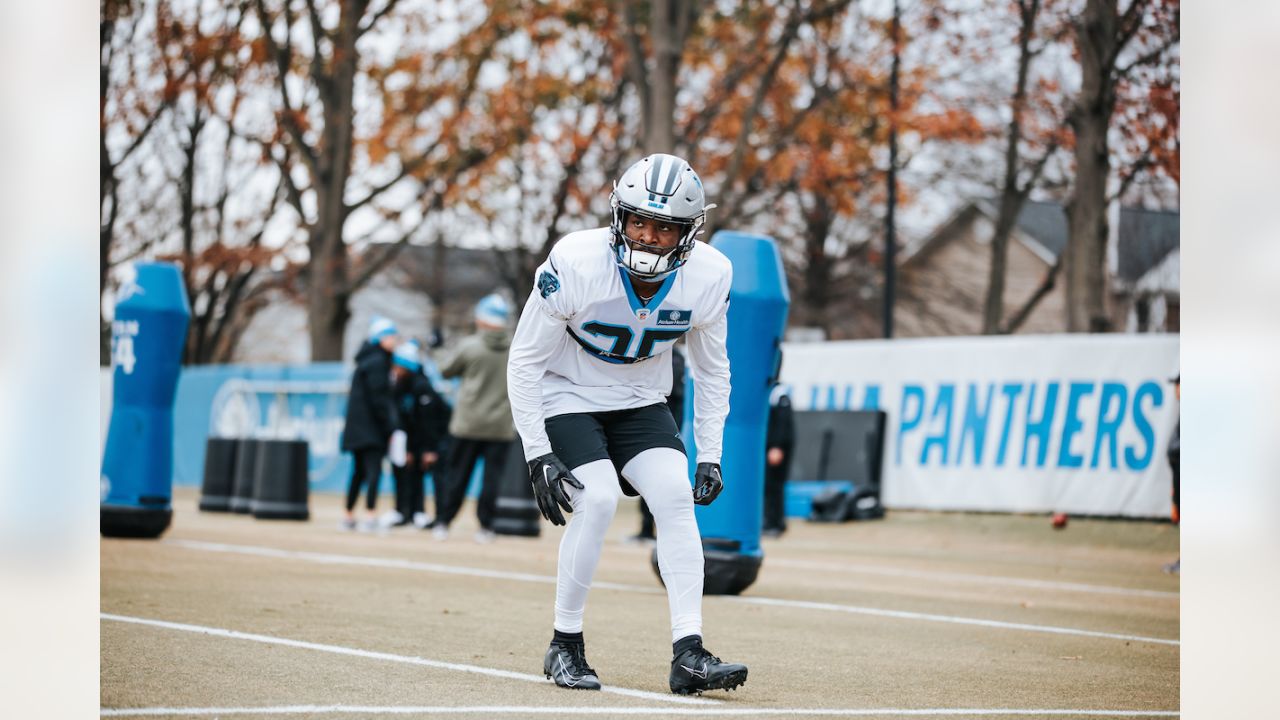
707, 483
546, 473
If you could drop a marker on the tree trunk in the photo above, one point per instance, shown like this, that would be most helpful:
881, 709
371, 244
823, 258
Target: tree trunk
328, 292
187, 223
669, 24
819, 266
1012, 196
328, 303
1085, 261
106, 185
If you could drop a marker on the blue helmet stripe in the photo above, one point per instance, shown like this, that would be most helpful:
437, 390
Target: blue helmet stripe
672, 178
655, 175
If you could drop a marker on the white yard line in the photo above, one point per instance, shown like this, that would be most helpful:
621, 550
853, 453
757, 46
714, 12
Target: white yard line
904, 615
855, 568
406, 659
659, 711
528, 577
395, 563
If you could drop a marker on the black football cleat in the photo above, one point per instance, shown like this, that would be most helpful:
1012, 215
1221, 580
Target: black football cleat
566, 663
695, 670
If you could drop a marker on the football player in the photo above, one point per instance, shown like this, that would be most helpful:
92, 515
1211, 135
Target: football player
587, 379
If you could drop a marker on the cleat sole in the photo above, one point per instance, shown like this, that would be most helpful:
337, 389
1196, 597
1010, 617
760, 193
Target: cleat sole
731, 681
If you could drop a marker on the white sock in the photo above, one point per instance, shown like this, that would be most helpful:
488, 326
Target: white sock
593, 509
661, 475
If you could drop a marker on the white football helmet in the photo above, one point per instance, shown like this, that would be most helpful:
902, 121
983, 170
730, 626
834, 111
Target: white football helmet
659, 187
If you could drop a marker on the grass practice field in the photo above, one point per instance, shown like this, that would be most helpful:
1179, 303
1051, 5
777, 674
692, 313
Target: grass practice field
920, 614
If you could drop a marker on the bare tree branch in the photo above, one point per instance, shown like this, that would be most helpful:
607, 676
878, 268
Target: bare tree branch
283, 55
636, 58
1149, 57
381, 257
374, 18
1015, 321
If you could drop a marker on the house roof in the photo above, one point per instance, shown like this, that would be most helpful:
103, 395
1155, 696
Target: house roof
1163, 277
1146, 236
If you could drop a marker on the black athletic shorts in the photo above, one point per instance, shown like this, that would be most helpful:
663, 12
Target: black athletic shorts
616, 435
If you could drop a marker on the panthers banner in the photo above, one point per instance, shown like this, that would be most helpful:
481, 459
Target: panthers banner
1057, 423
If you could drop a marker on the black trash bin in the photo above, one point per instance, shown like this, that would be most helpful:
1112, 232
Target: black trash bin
516, 512
245, 476
281, 489
219, 474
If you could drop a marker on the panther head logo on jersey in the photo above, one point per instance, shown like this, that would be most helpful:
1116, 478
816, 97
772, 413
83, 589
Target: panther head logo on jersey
547, 283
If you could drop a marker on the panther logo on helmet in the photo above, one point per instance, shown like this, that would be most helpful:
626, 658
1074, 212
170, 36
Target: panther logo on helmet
663, 188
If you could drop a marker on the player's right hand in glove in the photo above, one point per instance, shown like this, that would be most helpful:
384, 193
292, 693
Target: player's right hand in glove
706, 483
546, 473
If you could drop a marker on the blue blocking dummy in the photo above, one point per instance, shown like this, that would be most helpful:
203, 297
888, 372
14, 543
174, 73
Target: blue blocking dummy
147, 336
758, 302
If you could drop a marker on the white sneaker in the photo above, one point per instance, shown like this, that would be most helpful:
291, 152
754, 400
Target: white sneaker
389, 519
420, 520
367, 525
440, 532
346, 524
484, 537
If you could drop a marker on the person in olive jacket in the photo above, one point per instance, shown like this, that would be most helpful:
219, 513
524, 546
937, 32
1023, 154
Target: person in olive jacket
371, 418
481, 425
424, 418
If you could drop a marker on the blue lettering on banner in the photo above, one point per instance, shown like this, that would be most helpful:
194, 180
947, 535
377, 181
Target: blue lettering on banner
907, 422
831, 397
841, 397
941, 439
871, 398
974, 429
1019, 418
1108, 422
1140, 421
1072, 425
1010, 391
1040, 428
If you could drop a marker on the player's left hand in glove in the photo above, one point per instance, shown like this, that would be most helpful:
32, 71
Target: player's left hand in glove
707, 483
546, 473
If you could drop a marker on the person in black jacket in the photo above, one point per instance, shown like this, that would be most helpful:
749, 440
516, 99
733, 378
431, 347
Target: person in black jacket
424, 418
779, 440
371, 418
1175, 455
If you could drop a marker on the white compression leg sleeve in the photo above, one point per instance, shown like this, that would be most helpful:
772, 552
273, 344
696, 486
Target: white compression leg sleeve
593, 508
661, 475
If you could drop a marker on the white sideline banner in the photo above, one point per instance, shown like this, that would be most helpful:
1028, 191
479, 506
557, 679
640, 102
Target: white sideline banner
1049, 423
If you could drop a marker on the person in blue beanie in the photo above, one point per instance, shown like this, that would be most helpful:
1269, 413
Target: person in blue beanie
423, 417
371, 418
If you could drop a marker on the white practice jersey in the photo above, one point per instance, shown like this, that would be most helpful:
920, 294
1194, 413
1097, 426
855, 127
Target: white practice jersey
586, 343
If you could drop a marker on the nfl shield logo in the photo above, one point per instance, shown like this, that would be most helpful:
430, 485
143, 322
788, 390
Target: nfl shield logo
642, 313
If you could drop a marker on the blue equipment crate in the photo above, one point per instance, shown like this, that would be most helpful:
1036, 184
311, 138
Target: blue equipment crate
800, 494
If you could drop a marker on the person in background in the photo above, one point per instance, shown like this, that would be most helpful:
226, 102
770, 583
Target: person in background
481, 425
423, 417
780, 438
675, 401
1174, 451
371, 418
